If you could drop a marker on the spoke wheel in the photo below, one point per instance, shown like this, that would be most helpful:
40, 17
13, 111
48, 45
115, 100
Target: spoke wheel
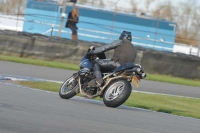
68, 88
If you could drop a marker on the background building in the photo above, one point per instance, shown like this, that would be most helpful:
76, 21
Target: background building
99, 25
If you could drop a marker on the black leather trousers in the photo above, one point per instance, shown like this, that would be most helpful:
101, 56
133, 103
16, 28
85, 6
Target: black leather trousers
104, 65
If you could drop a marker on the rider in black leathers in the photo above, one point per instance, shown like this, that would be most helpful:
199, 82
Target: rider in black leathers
124, 52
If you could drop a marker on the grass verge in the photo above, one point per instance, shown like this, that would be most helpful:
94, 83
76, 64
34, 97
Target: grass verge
173, 80
169, 104
65, 65
55, 64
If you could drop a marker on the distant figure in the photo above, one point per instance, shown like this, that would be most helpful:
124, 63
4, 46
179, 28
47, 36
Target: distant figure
73, 18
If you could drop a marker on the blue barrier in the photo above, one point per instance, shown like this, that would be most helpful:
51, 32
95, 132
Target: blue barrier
97, 25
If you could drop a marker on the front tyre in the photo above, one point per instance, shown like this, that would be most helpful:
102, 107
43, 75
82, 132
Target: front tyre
117, 93
68, 88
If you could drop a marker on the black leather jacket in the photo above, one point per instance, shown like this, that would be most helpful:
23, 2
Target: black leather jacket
71, 20
124, 51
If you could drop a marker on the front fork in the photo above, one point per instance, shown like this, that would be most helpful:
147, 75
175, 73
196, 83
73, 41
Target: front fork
76, 78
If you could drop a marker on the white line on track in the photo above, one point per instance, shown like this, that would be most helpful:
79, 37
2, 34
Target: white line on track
96, 101
20, 78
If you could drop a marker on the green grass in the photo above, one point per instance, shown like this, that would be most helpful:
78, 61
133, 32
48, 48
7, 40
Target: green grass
161, 103
49, 86
169, 104
174, 80
55, 64
70, 66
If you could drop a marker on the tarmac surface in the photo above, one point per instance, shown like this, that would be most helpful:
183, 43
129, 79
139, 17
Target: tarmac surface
27, 110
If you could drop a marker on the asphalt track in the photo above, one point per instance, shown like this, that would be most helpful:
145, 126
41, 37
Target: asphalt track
25, 110
17, 69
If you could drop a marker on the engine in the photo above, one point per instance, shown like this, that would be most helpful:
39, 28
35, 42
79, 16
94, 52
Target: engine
86, 76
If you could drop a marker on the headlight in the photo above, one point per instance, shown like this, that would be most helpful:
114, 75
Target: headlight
138, 70
143, 75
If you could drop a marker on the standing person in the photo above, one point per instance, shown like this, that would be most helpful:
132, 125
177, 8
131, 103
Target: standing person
124, 52
72, 20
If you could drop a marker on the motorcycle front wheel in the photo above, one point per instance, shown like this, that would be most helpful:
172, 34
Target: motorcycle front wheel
117, 93
68, 88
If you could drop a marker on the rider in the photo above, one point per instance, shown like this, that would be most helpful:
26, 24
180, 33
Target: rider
124, 52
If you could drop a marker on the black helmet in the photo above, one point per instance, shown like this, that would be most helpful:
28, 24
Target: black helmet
126, 34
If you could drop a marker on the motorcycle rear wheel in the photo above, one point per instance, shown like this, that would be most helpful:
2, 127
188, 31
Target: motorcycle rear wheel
68, 88
117, 93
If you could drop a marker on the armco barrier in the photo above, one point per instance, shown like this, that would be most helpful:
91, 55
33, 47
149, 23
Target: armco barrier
24, 44
178, 65
40, 46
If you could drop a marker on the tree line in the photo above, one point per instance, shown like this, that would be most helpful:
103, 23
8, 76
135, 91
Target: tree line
185, 14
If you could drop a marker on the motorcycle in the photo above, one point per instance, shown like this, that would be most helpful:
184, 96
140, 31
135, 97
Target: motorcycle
116, 88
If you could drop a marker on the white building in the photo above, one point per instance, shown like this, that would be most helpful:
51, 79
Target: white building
8, 22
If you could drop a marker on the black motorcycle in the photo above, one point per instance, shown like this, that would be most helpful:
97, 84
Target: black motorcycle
116, 88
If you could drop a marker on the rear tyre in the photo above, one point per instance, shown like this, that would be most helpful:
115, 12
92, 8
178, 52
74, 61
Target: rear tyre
68, 88
117, 93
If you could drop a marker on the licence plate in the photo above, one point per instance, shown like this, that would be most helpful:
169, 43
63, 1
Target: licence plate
135, 81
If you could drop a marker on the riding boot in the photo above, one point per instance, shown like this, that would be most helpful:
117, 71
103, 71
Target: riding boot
75, 37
